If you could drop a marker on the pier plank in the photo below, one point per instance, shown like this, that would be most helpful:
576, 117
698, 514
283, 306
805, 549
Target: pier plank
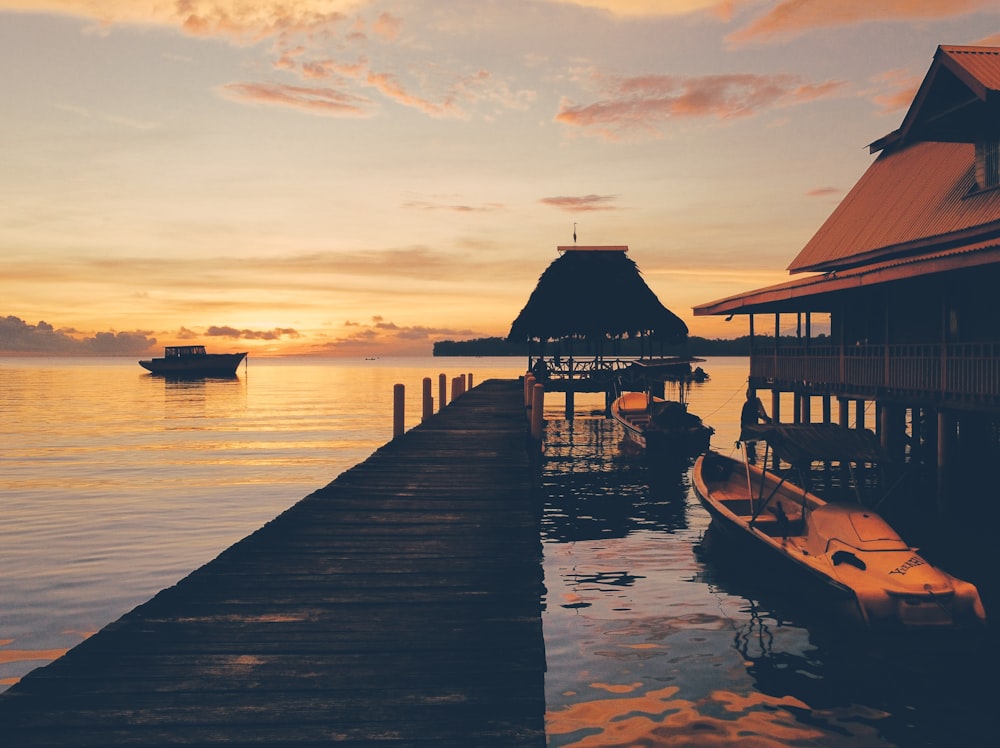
399, 605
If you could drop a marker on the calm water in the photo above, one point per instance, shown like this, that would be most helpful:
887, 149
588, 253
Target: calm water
117, 484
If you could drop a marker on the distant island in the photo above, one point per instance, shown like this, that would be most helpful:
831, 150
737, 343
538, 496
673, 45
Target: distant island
693, 347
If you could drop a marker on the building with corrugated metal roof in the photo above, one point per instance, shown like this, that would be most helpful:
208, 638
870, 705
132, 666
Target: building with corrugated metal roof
906, 273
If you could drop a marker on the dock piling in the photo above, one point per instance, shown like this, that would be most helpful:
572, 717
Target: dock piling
398, 409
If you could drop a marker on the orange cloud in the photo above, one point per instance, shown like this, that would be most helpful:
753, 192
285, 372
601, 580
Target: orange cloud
387, 26
389, 85
581, 204
793, 17
641, 8
645, 103
231, 332
381, 336
327, 101
823, 192
455, 207
249, 21
894, 90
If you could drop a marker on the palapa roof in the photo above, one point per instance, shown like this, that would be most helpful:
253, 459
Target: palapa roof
917, 210
595, 292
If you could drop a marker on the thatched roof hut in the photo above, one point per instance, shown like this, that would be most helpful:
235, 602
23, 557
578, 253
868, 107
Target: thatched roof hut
597, 294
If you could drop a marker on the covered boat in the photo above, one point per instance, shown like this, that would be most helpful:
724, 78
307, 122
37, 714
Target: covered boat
847, 547
194, 361
656, 424
652, 423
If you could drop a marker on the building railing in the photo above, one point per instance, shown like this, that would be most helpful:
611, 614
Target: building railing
957, 371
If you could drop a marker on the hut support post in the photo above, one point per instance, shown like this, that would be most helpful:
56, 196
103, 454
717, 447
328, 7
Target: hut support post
945, 447
893, 430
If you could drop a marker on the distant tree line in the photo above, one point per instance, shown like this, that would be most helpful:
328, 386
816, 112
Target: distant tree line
694, 346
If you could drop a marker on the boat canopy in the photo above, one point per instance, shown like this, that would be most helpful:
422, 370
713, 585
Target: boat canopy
801, 443
184, 350
669, 368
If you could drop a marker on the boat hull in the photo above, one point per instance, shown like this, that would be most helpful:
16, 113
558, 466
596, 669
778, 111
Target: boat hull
208, 365
847, 549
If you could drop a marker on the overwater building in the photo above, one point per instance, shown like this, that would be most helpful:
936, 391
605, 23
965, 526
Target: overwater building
904, 276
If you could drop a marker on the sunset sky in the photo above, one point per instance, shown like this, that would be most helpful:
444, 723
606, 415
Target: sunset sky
356, 178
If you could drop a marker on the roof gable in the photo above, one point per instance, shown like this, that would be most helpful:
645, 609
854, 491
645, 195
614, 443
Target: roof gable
921, 193
959, 92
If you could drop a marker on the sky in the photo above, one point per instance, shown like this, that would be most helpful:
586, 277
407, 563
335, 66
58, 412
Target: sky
363, 178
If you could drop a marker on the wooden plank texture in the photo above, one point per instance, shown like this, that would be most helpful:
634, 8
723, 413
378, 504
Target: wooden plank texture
400, 605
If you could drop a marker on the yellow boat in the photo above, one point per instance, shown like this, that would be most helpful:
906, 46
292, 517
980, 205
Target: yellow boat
846, 547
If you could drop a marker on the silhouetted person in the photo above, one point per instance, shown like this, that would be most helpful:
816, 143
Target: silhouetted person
753, 412
540, 370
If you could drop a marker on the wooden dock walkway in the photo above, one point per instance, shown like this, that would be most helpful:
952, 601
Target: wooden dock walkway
400, 606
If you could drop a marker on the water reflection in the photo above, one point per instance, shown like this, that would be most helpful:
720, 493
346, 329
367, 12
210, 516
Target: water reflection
594, 490
655, 634
193, 399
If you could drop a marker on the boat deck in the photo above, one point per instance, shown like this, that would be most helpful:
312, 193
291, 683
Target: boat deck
399, 605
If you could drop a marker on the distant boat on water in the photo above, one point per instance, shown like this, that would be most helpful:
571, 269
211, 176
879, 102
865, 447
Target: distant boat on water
194, 361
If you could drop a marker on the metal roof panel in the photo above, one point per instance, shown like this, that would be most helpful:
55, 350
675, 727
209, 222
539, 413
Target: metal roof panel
916, 195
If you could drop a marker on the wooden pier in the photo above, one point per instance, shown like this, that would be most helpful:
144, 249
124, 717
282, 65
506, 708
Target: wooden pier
400, 606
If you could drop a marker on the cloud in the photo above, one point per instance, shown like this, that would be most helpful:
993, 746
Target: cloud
380, 336
231, 332
17, 336
387, 26
238, 19
646, 103
390, 86
644, 8
893, 90
823, 192
326, 101
793, 17
454, 207
581, 204
302, 32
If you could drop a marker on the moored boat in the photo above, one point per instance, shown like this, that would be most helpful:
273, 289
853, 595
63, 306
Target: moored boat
194, 361
652, 423
848, 548
656, 424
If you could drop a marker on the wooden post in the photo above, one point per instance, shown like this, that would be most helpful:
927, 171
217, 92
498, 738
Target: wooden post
945, 447
428, 399
468, 381
457, 383
529, 384
398, 402
570, 403
537, 410
442, 391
